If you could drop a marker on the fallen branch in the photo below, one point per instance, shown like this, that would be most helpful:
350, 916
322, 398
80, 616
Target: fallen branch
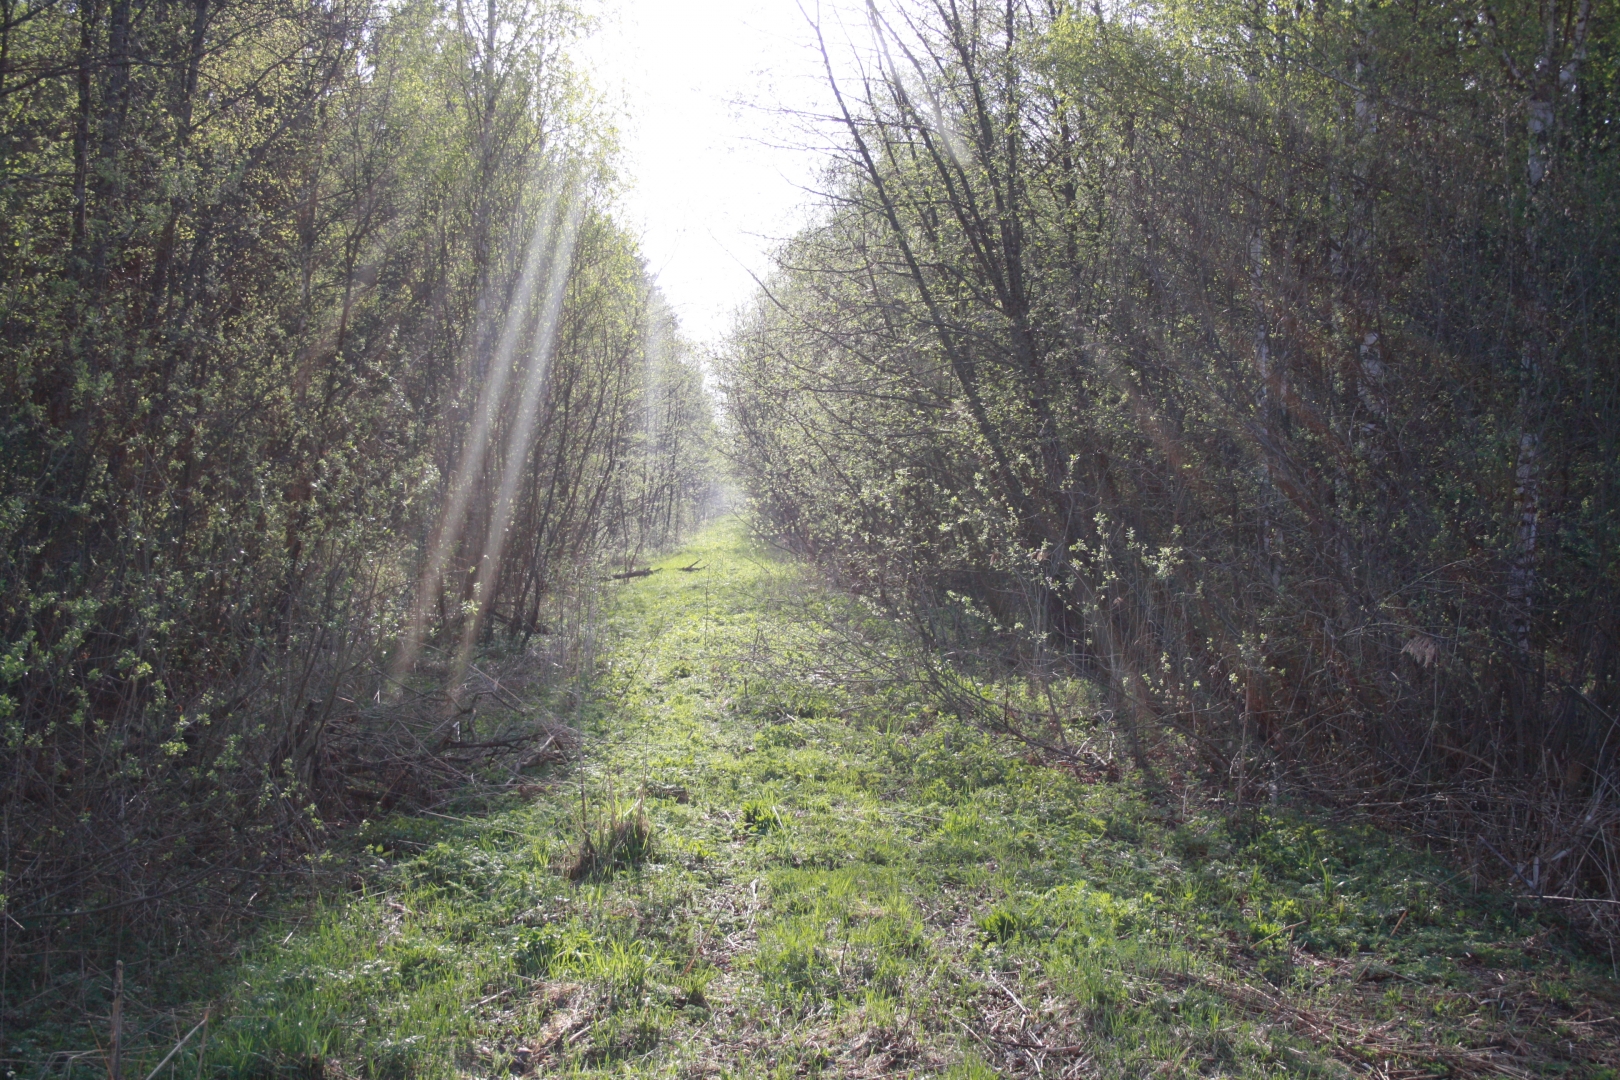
1353, 1044
176, 1049
1040, 1048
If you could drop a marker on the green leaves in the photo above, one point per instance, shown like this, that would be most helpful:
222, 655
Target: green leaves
247, 315
1207, 351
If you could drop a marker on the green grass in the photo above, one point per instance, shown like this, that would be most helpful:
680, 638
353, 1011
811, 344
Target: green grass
770, 864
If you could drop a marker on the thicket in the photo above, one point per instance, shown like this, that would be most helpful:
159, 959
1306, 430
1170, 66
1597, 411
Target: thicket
319, 349
1256, 360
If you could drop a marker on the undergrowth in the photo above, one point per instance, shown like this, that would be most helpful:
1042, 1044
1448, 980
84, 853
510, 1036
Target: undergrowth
620, 839
824, 876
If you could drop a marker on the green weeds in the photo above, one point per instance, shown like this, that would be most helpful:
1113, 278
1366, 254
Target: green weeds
620, 839
846, 883
760, 816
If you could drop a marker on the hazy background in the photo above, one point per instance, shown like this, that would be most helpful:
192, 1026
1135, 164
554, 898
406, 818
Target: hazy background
715, 172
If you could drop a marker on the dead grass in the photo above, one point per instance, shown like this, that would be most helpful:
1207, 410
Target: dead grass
621, 838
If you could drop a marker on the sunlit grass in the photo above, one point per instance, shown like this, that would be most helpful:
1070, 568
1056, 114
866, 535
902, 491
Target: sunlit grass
832, 879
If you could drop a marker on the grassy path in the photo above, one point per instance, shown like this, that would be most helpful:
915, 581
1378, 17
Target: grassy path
838, 882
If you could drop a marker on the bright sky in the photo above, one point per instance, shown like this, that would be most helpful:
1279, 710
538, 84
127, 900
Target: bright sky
716, 175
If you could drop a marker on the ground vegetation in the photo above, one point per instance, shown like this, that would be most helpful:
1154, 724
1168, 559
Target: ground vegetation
774, 857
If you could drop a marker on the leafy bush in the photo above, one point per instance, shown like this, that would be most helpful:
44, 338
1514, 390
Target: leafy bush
1317, 476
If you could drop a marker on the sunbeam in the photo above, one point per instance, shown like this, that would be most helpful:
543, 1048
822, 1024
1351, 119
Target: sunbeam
541, 344
453, 520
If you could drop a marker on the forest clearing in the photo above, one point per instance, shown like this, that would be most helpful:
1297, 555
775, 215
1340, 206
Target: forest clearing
795, 868
886, 538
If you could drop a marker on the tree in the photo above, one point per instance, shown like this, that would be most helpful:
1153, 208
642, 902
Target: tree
1187, 345
269, 271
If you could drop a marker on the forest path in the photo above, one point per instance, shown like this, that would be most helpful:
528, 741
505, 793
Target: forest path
840, 882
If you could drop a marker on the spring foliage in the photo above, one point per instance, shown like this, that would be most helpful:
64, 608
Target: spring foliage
317, 343
1257, 360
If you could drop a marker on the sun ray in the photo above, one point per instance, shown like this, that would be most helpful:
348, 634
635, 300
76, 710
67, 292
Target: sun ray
542, 345
453, 519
